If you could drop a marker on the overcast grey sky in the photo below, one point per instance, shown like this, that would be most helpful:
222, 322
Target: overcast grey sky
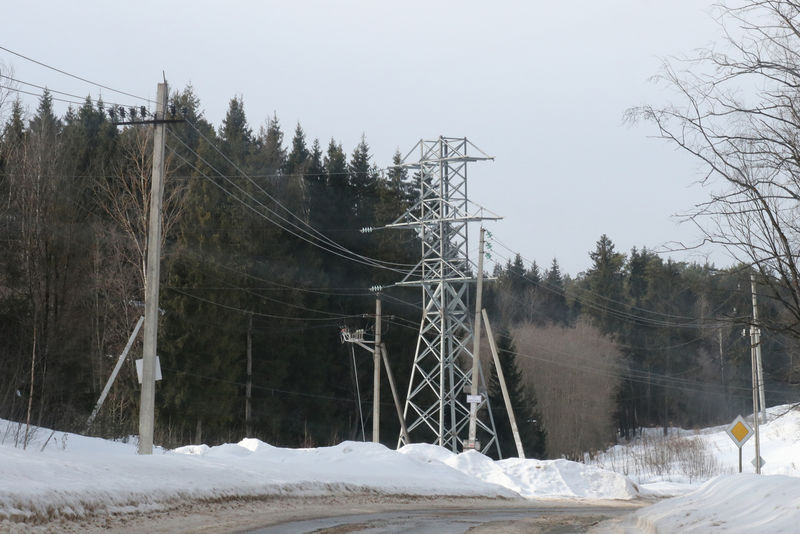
541, 86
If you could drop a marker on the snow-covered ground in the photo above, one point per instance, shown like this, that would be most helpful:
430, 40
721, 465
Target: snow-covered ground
728, 502
63, 475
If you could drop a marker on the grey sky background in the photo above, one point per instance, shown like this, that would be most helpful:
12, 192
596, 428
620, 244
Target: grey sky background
541, 86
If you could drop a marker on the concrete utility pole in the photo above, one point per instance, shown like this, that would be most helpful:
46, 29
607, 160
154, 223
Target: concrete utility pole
755, 340
390, 376
759, 370
248, 423
376, 380
357, 338
474, 401
502, 379
150, 336
722, 366
114, 374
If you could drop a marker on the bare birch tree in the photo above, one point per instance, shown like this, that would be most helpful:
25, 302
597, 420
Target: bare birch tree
738, 112
126, 198
119, 265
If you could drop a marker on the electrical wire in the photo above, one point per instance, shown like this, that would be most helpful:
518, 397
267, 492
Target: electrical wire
370, 261
290, 212
81, 102
21, 91
259, 314
74, 75
300, 233
262, 388
659, 319
652, 378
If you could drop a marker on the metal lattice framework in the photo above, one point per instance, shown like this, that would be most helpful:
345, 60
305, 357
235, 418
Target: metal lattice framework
436, 405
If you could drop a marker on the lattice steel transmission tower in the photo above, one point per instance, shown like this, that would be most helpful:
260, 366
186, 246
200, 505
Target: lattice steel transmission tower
436, 407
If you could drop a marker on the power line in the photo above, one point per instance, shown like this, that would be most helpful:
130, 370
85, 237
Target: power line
74, 75
266, 388
17, 90
47, 89
324, 238
621, 314
267, 218
260, 314
311, 239
616, 370
275, 301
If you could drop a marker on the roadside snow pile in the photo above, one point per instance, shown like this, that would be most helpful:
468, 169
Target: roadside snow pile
356, 465
564, 479
72, 476
732, 504
539, 479
75, 476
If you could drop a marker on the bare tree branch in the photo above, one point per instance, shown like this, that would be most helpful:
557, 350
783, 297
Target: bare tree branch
738, 112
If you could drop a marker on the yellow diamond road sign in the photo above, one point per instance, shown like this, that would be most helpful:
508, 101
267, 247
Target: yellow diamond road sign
739, 431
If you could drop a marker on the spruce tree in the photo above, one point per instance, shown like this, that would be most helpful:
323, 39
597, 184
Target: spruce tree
553, 298
603, 285
235, 134
297, 160
363, 185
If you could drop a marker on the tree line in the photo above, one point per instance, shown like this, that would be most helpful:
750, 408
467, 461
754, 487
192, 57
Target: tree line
263, 249
261, 246
638, 341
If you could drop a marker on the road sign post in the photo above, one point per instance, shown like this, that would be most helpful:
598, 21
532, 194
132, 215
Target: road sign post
739, 432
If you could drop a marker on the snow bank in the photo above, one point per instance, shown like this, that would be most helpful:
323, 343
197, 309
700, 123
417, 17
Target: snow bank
731, 504
715, 455
546, 479
75, 476
533, 479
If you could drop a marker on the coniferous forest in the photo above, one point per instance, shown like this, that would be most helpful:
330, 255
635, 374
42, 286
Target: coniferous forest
262, 251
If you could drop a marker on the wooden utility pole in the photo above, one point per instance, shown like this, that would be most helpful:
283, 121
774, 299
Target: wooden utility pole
501, 378
376, 378
150, 336
474, 401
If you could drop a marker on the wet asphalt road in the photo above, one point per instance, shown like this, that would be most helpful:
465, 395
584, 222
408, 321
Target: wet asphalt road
549, 520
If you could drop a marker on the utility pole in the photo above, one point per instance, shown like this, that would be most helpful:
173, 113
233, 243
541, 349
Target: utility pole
376, 379
722, 368
759, 369
474, 400
390, 376
502, 379
248, 422
151, 283
755, 335
114, 374
357, 338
